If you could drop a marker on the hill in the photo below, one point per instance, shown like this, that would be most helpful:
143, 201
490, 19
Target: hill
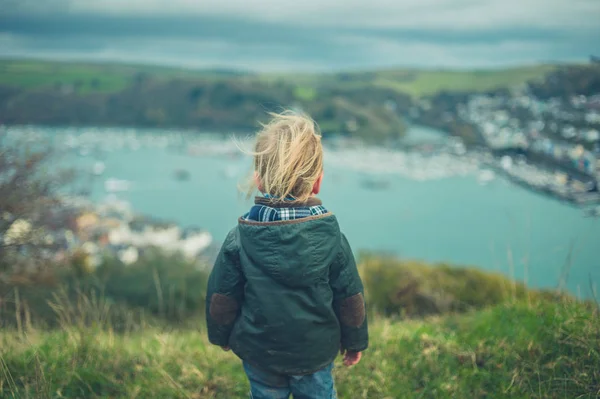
62, 94
517, 350
425, 82
107, 77
436, 331
366, 105
93, 77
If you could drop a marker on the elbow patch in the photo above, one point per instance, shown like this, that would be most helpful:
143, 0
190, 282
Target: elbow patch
352, 311
223, 309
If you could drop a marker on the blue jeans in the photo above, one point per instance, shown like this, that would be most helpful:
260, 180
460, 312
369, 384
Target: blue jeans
267, 385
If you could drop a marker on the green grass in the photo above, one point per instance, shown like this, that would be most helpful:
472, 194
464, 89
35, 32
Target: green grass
420, 83
415, 288
103, 77
544, 350
88, 77
507, 341
305, 93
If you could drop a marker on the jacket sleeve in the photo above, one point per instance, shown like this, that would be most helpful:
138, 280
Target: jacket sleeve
225, 292
348, 300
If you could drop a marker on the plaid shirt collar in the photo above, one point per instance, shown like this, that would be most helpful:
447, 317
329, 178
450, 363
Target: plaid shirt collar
267, 209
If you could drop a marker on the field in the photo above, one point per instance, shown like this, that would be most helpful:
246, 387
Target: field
87, 77
419, 83
518, 350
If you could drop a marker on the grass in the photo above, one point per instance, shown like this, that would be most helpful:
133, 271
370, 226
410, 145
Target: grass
88, 77
305, 93
421, 83
484, 336
415, 288
540, 350
103, 77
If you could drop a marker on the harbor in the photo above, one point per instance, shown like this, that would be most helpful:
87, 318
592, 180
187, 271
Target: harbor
424, 155
550, 183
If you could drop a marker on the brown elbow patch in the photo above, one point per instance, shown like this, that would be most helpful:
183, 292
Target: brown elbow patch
352, 311
223, 309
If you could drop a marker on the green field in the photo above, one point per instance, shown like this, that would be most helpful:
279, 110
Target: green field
419, 83
519, 350
88, 77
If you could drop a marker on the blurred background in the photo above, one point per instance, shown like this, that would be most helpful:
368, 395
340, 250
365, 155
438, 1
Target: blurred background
462, 147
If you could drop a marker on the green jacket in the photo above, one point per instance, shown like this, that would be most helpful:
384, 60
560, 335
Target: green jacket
286, 295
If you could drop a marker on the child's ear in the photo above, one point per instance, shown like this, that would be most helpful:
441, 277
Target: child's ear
258, 182
317, 186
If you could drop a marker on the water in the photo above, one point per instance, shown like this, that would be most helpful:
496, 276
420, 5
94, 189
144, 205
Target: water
497, 226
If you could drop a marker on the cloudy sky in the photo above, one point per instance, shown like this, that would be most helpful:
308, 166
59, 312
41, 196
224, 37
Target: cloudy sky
270, 35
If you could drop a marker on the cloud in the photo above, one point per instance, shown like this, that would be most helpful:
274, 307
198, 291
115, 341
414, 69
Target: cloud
461, 54
338, 52
436, 14
179, 52
308, 35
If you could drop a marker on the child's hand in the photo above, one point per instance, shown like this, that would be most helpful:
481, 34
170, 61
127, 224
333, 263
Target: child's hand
351, 358
225, 348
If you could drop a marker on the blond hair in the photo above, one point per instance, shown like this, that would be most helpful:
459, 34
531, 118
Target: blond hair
288, 157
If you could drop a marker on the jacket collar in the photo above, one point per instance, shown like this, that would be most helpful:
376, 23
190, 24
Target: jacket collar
311, 201
243, 221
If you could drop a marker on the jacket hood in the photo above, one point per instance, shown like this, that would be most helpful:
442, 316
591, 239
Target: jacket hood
295, 253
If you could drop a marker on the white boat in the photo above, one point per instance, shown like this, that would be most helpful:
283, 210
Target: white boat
116, 185
230, 172
486, 176
71, 142
98, 168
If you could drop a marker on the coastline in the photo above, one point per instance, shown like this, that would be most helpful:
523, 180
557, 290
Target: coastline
410, 157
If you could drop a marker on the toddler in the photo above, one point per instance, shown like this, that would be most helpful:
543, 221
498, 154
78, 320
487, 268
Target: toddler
284, 293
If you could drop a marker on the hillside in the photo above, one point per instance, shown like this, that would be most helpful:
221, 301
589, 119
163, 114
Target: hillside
436, 331
99, 77
92, 77
419, 83
543, 350
367, 105
58, 94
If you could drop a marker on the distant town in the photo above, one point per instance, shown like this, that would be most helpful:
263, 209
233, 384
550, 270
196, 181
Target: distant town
87, 233
545, 135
